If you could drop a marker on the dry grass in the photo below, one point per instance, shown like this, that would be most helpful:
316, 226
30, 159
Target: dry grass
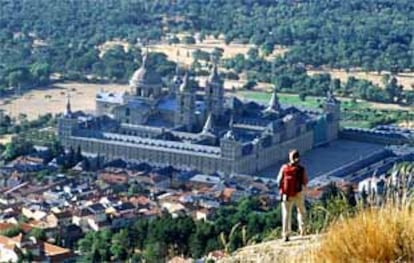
377, 233
182, 53
374, 235
405, 79
407, 124
4, 139
53, 100
111, 44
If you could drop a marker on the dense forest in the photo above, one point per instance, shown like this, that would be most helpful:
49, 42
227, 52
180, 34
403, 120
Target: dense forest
41, 37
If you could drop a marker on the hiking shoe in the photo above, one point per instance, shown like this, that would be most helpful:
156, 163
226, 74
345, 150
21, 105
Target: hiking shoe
286, 239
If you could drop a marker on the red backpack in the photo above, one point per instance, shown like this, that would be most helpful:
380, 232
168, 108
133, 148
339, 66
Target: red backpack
292, 180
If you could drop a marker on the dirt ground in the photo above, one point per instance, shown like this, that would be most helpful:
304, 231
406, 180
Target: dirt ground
406, 79
53, 100
4, 139
182, 53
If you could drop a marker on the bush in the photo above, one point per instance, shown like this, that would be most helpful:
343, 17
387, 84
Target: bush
232, 75
11, 232
374, 235
188, 40
250, 85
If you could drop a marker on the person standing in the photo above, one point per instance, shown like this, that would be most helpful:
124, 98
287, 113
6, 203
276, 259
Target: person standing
292, 180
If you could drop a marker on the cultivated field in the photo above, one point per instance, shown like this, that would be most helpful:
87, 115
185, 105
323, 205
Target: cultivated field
406, 79
53, 100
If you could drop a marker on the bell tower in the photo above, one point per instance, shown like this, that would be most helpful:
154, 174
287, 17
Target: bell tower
214, 96
332, 109
185, 113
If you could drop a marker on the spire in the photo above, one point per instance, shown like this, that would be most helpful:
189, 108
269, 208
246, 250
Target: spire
68, 111
177, 69
208, 126
330, 97
185, 86
214, 76
231, 122
177, 78
229, 135
274, 105
145, 59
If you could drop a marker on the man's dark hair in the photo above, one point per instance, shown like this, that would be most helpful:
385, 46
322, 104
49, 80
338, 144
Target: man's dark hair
294, 153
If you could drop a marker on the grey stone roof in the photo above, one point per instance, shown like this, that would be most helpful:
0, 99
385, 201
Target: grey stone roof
214, 76
145, 76
110, 97
186, 86
162, 144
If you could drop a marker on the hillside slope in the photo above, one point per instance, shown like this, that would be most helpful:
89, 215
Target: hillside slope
298, 249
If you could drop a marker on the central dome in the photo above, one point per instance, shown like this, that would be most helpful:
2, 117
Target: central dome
145, 76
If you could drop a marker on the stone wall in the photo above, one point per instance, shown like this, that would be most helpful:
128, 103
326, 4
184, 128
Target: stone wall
262, 158
206, 163
110, 150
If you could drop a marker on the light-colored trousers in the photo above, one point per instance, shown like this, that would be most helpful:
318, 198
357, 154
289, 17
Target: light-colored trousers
299, 201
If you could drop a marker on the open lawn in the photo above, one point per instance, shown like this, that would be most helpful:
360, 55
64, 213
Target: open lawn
406, 79
360, 107
313, 102
53, 100
284, 98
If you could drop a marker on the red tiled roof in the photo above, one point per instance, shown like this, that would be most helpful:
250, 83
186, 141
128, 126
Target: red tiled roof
139, 200
114, 178
314, 193
55, 253
217, 254
6, 226
7, 242
227, 193
179, 260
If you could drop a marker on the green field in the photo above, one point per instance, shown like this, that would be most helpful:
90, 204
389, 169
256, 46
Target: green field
361, 114
284, 98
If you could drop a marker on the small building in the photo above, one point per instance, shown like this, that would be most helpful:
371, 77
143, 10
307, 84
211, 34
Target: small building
60, 219
12, 247
202, 180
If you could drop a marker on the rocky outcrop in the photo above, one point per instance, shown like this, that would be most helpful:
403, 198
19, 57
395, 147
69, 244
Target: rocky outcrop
298, 249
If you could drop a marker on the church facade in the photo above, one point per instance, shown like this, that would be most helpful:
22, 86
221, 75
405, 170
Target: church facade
192, 127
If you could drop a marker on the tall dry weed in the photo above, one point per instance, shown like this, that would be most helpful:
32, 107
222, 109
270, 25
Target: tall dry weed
378, 233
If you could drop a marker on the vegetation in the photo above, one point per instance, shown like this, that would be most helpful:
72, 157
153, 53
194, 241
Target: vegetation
249, 221
16, 148
373, 35
22, 125
166, 236
11, 232
387, 226
360, 114
373, 235
295, 79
